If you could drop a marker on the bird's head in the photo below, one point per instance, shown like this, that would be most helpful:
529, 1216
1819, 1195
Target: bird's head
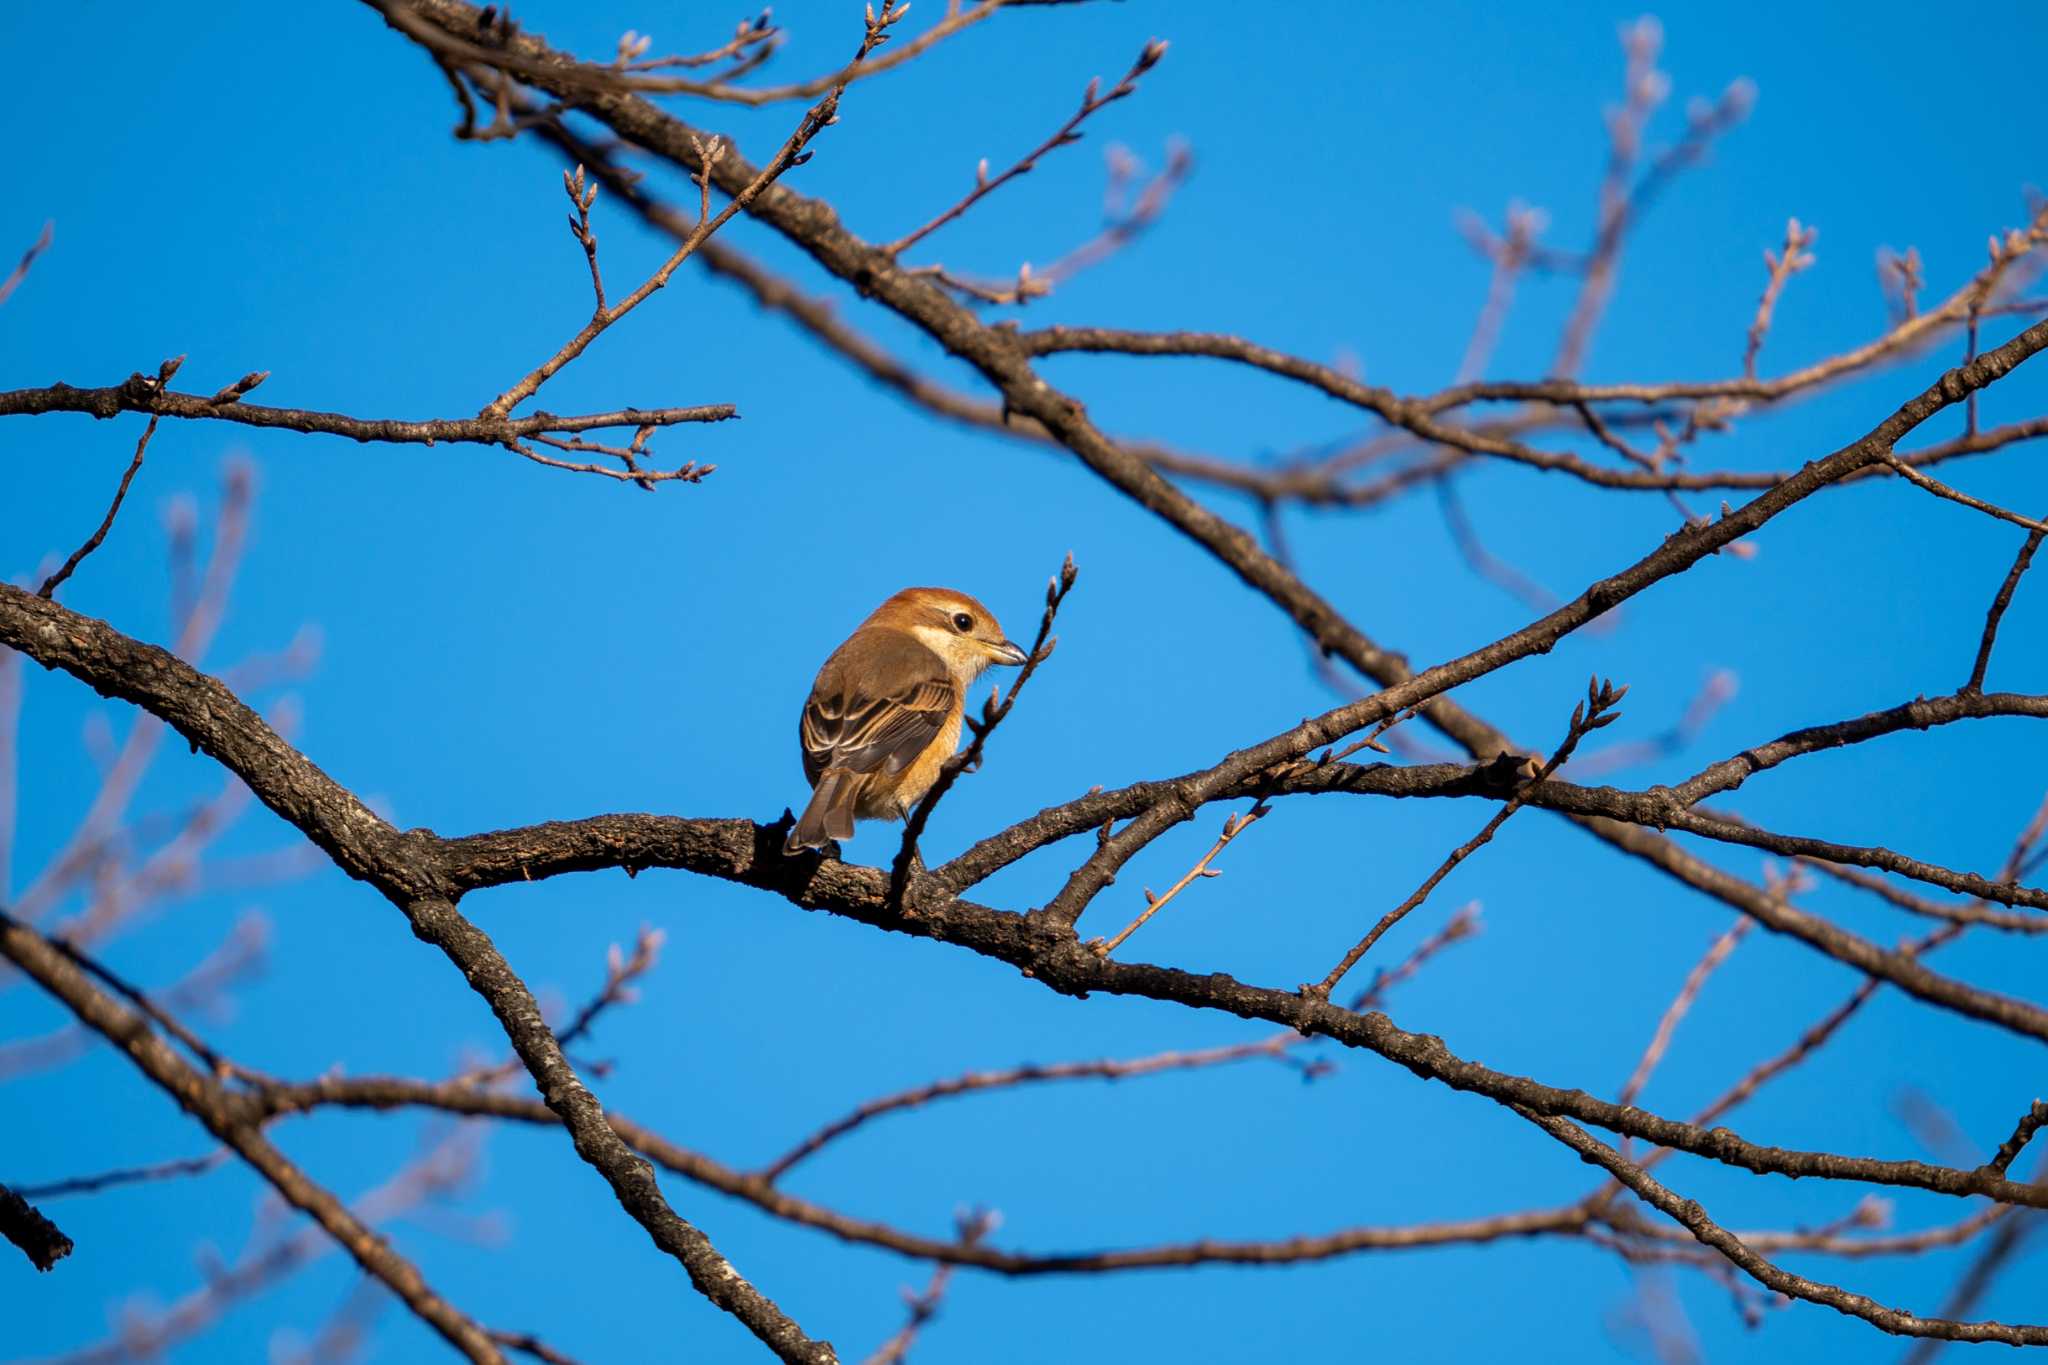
953, 626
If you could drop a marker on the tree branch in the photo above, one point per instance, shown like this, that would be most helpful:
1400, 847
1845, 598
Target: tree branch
1688, 1214
136, 394
230, 1121
51, 584
21, 1223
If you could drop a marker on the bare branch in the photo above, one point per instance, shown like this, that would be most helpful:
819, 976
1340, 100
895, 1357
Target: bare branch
1092, 102
138, 394
1509, 254
1660, 1041
969, 759
1694, 1219
162, 1170
390, 1092
39, 1239
28, 258
923, 1307
2020, 564
1782, 266
530, 1344
2030, 1123
226, 1120
814, 121
1639, 437
1232, 827
1942, 490
1596, 711
755, 32
50, 584
1460, 926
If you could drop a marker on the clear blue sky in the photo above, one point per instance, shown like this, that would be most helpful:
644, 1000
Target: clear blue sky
274, 187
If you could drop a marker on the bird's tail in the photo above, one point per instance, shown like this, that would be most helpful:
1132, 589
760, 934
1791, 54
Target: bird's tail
829, 815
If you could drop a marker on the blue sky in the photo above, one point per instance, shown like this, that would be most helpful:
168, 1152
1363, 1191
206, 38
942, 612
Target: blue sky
264, 187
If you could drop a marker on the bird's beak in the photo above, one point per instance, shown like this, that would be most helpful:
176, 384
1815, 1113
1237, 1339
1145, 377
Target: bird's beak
1008, 653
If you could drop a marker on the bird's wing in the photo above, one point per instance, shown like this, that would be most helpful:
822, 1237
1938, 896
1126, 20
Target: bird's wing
878, 703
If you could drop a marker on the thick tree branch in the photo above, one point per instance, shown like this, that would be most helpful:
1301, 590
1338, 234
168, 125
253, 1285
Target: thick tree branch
426, 875
406, 869
741, 851
418, 870
230, 1120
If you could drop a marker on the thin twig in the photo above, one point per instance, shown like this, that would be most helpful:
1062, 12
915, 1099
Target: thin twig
1822, 1030
28, 258
1899, 276
1092, 101
1460, 926
971, 1227
446, 1161
1719, 688
1509, 253
1782, 267
219, 1065
621, 971
141, 394
992, 714
129, 1175
1977, 1279
1123, 227
1620, 205
594, 79
2030, 1123
750, 32
1971, 913
1483, 561
1942, 490
581, 197
1590, 715
1112, 1069
1660, 1041
50, 584
1688, 1214
532, 1345
2020, 564
815, 120
1233, 825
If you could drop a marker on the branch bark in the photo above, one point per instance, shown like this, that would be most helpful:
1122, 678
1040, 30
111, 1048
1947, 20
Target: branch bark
406, 869
230, 1120
23, 1224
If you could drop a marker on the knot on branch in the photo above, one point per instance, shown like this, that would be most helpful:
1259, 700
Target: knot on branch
1504, 771
140, 389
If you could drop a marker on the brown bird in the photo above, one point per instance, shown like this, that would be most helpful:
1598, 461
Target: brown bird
884, 714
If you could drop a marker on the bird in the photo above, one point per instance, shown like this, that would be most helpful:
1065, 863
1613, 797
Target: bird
884, 714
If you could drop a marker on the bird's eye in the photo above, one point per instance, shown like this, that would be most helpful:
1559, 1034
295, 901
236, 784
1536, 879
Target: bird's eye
963, 622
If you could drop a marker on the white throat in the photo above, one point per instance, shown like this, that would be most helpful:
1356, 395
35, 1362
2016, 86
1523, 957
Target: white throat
965, 659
